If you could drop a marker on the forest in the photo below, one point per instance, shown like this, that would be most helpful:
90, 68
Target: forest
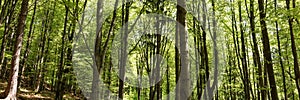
149, 50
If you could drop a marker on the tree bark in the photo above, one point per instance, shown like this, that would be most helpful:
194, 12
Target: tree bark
9, 18
184, 78
204, 54
280, 55
294, 48
256, 55
28, 42
124, 54
11, 90
59, 88
177, 66
266, 50
243, 58
158, 54
97, 64
41, 61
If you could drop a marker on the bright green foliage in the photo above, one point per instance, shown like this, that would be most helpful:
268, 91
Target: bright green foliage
43, 61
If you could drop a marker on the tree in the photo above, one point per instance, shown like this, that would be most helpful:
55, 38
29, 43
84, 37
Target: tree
11, 90
280, 54
294, 49
266, 50
124, 45
256, 54
10, 7
184, 78
59, 85
56, 61
96, 63
243, 57
28, 42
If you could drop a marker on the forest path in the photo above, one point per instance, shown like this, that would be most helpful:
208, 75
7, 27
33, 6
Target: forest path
26, 94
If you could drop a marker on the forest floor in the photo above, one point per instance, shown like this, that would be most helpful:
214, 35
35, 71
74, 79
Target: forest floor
27, 94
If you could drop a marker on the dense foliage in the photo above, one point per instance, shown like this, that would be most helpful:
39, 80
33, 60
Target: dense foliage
150, 49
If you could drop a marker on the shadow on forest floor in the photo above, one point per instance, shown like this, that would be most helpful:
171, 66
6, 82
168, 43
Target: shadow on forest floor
27, 94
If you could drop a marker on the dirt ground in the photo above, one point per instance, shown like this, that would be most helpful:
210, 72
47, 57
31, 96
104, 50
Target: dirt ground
26, 94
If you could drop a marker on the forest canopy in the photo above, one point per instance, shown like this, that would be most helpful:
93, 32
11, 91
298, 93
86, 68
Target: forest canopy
149, 49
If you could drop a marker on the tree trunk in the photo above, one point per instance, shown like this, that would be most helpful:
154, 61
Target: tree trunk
177, 66
294, 48
198, 94
204, 55
280, 55
158, 59
10, 15
266, 50
243, 57
256, 55
95, 84
28, 42
183, 37
124, 54
3, 10
59, 86
168, 82
215, 54
11, 90
41, 61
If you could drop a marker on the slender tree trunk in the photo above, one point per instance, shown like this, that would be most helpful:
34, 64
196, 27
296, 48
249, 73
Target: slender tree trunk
97, 64
56, 60
139, 71
200, 60
256, 57
11, 90
280, 55
28, 42
41, 84
243, 58
229, 73
109, 78
36, 65
124, 52
215, 55
177, 66
59, 86
168, 81
71, 35
3, 10
153, 70
204, 49
158, 54
266, 50
198, 95
9, 18
184, 74
42, 52
294, 48
236, 42
3, 49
